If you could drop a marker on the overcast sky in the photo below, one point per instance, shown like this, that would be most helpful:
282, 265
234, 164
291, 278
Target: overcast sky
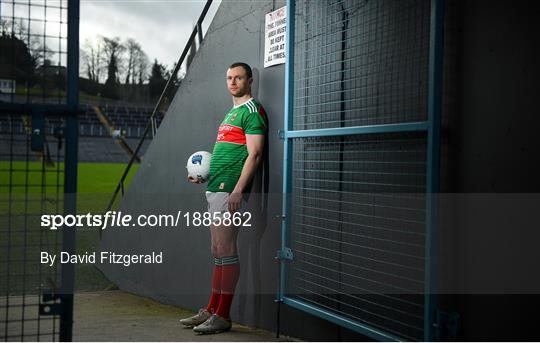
162, 27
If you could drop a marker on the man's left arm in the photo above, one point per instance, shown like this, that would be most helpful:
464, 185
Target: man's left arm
255, 145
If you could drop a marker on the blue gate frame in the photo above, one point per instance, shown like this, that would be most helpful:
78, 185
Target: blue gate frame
431, 126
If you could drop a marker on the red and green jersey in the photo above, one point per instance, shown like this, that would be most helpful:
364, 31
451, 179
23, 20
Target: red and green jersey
230, 151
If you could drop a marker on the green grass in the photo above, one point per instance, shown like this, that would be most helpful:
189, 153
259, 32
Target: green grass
102, 177
91, 178
35, 190
97, 182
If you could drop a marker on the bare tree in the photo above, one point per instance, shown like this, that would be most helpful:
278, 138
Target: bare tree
40, 51
133, 50
36, 45
5, 27
91, 54
20, 29
141, 66
113, 51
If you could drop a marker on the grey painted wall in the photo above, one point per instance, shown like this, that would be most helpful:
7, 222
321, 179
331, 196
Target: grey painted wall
160, 186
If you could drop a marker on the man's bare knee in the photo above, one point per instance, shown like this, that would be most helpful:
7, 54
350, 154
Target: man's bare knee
224, 250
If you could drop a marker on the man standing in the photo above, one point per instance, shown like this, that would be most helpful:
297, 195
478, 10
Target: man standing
237, 154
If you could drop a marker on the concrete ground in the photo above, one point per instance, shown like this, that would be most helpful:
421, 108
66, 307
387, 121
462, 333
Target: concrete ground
119, 316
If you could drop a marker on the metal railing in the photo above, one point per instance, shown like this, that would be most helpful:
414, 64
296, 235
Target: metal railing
152, 124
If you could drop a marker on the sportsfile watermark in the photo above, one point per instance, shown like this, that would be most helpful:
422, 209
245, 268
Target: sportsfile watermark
112, 219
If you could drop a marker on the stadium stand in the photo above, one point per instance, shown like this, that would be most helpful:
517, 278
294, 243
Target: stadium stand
96, 143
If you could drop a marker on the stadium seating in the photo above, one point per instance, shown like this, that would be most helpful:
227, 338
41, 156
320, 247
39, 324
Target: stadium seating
95, 141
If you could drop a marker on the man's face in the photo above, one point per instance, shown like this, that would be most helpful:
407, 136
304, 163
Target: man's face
237, 82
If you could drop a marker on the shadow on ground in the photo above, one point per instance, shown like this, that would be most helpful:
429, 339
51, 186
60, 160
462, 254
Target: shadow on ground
119, 316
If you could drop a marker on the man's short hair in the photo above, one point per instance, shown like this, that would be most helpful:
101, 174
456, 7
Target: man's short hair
246, 67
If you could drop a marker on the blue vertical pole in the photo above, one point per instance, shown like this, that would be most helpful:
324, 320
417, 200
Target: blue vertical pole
70, 166
436, 51
287, 144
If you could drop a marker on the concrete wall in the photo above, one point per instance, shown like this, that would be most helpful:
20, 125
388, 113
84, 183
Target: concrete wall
160, 186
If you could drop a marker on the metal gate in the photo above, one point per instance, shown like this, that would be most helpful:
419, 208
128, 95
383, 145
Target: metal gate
363, 85
38, 165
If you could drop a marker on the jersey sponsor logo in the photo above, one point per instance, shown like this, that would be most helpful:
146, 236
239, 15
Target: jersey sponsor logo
231, 134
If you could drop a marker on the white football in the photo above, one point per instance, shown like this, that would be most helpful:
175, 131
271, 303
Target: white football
198, 165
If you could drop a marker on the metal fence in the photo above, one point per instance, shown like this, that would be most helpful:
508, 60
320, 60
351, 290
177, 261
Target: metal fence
32, 184
34, 44
361, 159
39, 53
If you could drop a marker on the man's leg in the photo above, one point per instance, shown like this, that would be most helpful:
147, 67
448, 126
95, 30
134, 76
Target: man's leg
224, 248
213, 302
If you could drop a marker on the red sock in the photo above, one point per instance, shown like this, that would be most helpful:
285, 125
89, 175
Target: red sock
229, 277
216, 290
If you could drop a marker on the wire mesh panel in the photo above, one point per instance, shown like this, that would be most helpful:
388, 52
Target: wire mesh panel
33, 51
36, 94
357, 222
360, 62
358, 218
31, 184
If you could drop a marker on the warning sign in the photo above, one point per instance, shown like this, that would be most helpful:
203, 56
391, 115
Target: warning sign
274, 33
